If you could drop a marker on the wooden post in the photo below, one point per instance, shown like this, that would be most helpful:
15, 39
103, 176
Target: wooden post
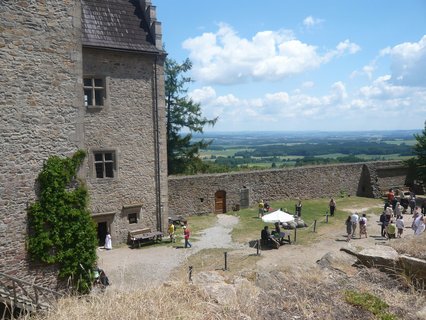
258, 247
226, 261
326, 217
190, 273
315, 225
295, 234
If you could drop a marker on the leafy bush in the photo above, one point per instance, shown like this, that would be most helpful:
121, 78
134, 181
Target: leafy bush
61, 228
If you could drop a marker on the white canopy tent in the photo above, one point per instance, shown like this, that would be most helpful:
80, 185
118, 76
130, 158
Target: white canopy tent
277, 216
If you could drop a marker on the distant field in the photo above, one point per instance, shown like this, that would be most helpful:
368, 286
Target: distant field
401, 141
261, 150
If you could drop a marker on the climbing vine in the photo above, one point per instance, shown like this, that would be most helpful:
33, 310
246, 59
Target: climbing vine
61, 228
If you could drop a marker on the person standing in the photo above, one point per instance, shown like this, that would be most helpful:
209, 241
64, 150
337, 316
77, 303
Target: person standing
299, 208
363, 226
355, 221
261, 208
348, 224
171, 232
412, 203
108, 241
400, 225
332, 206
186, 234
391, 230
383, 223
420, 225
391, 196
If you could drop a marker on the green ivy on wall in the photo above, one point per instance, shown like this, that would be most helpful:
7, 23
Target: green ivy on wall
61, 228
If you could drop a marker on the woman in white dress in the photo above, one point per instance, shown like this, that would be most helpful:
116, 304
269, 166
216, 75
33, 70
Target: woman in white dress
108, 242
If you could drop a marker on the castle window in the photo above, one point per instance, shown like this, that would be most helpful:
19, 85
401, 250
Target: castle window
133, 217
105, 165
94, 92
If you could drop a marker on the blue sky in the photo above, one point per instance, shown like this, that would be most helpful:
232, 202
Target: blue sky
279, 65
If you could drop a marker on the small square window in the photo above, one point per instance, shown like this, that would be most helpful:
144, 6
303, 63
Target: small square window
133, 218
105, 164
94, 92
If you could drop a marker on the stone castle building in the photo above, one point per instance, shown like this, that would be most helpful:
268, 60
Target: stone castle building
81, 74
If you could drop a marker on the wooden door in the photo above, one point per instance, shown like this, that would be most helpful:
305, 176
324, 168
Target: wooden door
220, 202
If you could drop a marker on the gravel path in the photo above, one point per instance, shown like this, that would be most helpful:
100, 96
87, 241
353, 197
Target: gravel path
128, 269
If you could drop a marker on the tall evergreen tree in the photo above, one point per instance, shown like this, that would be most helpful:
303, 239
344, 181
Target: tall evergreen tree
420, 152
182, 114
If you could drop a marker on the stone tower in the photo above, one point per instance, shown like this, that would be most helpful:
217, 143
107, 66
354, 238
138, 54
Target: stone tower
81, 74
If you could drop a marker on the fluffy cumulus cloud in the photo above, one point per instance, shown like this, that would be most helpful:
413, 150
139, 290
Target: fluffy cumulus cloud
226, 58
336, 110
408, 64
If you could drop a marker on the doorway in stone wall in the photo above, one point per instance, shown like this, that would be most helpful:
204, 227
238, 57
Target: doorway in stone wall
244, 198
102, 231
220, 201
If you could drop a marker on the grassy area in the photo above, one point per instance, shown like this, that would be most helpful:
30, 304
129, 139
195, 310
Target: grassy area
370, 303
250, 225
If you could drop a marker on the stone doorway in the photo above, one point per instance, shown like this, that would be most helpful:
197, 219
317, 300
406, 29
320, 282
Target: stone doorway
244, 198
220, 201
102, 231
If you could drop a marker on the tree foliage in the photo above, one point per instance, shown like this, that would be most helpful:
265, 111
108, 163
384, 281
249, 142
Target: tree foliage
61, 228
420, 152
182, 114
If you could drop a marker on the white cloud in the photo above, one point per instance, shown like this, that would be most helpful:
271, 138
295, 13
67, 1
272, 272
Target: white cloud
408, 62
225, 58
341, 49
337, 110
311, 21
203, 95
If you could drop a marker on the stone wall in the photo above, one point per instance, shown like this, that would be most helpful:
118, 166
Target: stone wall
40, 51
196, 194
125, 125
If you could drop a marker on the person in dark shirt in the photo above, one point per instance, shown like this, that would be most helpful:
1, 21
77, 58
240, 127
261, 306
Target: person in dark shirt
266, 237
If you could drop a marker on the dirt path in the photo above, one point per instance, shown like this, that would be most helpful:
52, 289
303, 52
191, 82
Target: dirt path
134, 268
128, 269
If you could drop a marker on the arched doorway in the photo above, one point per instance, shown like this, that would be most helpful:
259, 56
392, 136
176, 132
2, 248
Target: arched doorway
220, 201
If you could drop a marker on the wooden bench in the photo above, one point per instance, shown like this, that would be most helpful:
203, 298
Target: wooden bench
144, 235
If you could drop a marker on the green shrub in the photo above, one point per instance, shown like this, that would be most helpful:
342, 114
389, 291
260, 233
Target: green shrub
61, 228
369, 302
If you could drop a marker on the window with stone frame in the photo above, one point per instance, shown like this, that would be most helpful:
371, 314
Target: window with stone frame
132, 217
94, 91
105, 164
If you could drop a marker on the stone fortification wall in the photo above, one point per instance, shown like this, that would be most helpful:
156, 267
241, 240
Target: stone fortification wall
125, 125
40, 54
389, 176
197, 194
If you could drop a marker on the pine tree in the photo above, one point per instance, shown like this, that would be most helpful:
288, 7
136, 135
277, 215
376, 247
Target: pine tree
182, 113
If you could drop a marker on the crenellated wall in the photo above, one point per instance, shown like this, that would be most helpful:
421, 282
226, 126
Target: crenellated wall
198, 194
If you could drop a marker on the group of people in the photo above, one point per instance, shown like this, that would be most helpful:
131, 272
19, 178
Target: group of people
263, 208
402, 202
352, 223
274, 239
186, 234
392, 221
